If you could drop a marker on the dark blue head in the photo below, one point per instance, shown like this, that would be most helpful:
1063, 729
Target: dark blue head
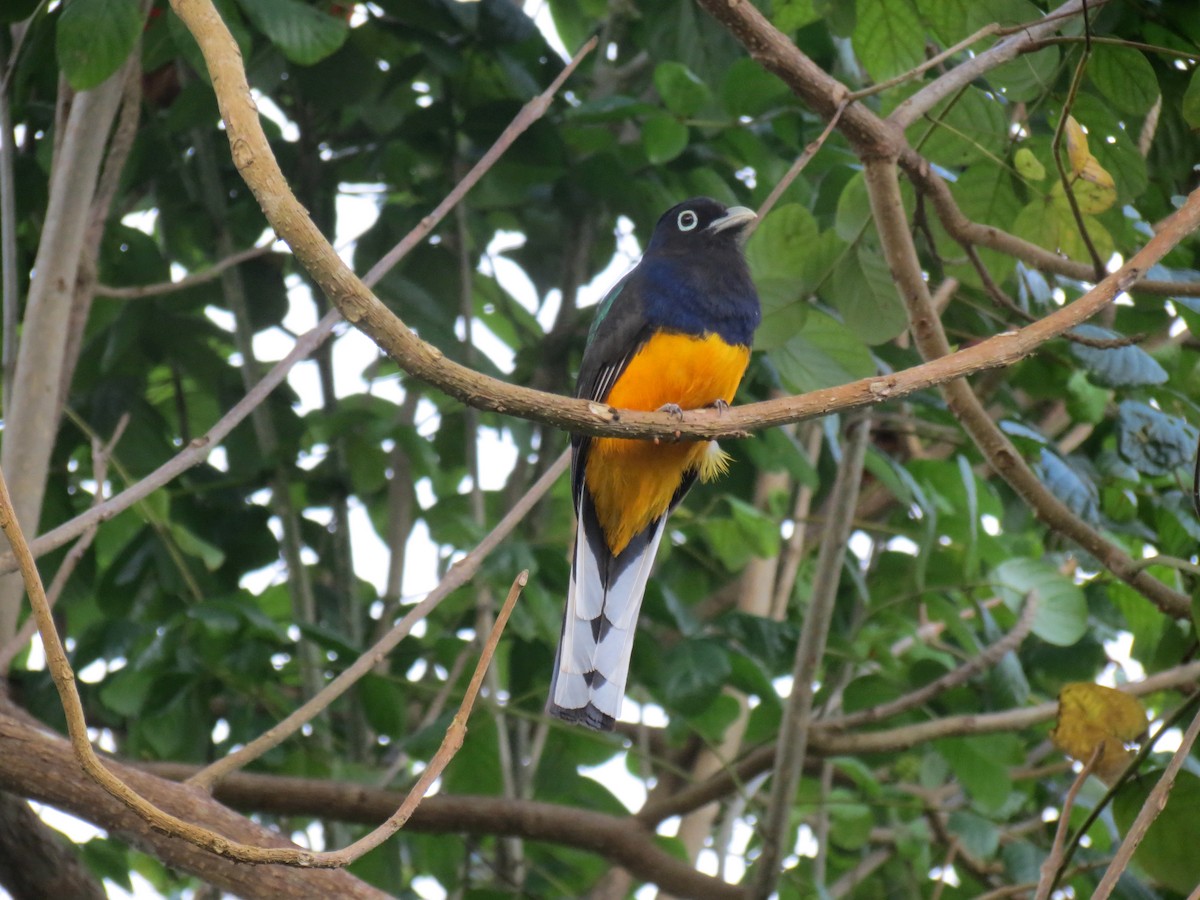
700, 225
694, 276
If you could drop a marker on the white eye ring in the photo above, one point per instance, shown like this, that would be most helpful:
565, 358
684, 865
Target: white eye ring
687, 220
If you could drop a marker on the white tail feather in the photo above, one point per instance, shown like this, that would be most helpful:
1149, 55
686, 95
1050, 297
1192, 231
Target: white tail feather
581, 654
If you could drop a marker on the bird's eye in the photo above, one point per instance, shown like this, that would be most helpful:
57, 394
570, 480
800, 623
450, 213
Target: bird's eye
687, 220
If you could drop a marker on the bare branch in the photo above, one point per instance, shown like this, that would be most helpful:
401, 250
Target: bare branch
1054, 860
989, 657
196, 278
37, 763
960, 76
619, 839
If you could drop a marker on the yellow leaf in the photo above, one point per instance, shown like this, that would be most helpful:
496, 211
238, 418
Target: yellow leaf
1093, 187
1096, 174
1077, 146
1091, 717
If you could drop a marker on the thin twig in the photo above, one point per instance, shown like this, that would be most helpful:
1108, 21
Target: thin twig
1054, 860
169, 287
797, 167
450, 745
989, 657
101, 453
1155, 804
1056, 152
985, 31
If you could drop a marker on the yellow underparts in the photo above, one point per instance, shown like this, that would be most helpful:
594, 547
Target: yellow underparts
632, 482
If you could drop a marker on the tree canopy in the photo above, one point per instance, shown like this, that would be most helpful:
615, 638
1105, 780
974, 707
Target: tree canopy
875, 659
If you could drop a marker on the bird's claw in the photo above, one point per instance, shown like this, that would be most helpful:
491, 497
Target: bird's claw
720, 405
673, 409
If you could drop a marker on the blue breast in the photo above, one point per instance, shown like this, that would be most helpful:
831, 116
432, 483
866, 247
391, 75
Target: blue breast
700, 297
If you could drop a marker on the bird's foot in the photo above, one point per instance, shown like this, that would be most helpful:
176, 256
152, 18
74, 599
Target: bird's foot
673, 409
720, 405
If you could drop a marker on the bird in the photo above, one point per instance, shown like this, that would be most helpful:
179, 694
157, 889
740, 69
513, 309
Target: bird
673, 334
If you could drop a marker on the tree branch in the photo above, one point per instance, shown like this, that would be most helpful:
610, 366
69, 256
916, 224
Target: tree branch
887, 207
38, 764
987, 658
616, 838
169, 287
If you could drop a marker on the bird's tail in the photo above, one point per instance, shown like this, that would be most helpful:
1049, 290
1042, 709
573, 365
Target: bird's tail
603, 601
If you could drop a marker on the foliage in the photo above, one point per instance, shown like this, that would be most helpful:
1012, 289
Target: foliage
206, 613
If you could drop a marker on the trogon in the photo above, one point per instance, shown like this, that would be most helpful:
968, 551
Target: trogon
673, 334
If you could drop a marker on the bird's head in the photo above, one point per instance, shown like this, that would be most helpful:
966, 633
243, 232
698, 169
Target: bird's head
701, 225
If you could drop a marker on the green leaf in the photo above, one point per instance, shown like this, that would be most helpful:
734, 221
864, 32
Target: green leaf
977, 835
888, 37
94, 38
865, 293
303, 33
824, 354
664, 137
1124, 78
760, 530
781, 242
978, 769
850, 823
747, 89
783, 254
682, 92
693, 672
1028, 165
1191, 101
1050, 223
126, 691
853, 209
192, 545
1062, 613
790, 15
1116, 367
967, 127
1153, 441
1085, 401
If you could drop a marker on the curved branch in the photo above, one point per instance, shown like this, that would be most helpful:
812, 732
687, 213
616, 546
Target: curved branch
883, 188
873, 137
616, 838
1003, 51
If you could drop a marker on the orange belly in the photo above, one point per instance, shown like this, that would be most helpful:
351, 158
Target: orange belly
632, 482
